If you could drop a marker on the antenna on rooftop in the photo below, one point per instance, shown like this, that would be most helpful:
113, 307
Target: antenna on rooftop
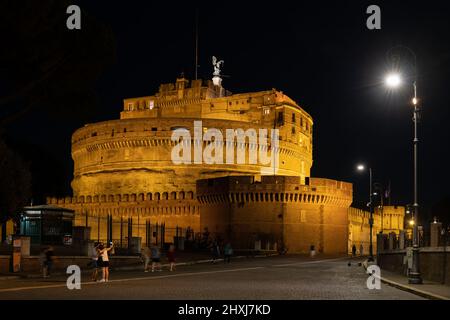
196, 43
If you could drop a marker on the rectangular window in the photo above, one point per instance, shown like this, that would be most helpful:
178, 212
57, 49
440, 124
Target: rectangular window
130, 106
293, 130
151, 104
280, 120
293, 118
266, 111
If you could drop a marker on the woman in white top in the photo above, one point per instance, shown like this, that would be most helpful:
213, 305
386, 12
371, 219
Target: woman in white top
104, 261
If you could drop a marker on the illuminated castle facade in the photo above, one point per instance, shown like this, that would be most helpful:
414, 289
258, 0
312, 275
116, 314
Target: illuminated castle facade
124, 171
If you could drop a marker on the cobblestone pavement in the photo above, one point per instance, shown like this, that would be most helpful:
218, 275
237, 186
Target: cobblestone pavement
284, 278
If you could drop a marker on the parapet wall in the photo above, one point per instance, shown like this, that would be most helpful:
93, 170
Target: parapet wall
117, 212
274, 189
123, 198
277, 210
386, 220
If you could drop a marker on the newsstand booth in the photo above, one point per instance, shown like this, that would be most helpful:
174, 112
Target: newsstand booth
49, 225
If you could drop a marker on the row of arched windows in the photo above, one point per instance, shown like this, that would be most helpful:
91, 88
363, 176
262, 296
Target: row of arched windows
265, 197
180, 195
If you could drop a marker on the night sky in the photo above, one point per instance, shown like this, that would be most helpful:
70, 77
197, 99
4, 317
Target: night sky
321, 54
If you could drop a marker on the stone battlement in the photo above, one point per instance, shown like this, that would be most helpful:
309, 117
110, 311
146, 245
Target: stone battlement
132, 198
274, 189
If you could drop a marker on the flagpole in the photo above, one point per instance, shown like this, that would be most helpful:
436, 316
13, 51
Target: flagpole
389, 199
387, 193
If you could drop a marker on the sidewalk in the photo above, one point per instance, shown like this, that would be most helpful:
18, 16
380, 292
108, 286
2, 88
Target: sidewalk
182, 259
429, 290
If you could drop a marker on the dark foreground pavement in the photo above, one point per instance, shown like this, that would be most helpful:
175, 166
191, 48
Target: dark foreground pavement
278, 278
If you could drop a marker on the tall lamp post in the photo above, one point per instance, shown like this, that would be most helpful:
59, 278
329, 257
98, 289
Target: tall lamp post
370, 204
394, 80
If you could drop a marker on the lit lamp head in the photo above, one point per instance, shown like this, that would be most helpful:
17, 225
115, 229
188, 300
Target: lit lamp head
360, 167
393, 80
411, 222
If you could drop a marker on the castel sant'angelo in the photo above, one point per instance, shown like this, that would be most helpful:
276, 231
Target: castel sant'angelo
196, 156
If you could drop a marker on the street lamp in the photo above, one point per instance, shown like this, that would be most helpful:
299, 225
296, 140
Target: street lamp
394, 80
361, 167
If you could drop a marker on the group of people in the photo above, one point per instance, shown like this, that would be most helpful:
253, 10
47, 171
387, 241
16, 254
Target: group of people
361, 250
216, 250
100, 260
153, 255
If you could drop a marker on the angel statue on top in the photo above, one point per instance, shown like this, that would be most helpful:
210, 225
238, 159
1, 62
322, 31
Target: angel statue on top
216, 64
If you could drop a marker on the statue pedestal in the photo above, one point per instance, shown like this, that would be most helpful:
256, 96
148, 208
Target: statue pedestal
217, 81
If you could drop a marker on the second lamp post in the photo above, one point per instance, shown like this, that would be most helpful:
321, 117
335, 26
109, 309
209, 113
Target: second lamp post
370, 204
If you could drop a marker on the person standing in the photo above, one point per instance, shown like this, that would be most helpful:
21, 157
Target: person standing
227, 252
94, 261
354, 250
312, 251
215, 250
103, 254
49, 255
146, 254
171, 257
156, 258
361, 250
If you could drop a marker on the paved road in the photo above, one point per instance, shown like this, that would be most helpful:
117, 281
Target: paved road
284, 278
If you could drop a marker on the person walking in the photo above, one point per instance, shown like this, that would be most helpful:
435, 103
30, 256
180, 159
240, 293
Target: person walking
171, 257
103, 255
146, 256
361, 250
215, 251
49, 256
156, 258
227, 252
353, 250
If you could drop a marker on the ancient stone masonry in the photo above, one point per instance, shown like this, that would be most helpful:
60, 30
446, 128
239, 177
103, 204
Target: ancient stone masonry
277, 209
124, 171
133, 154
387, 219
172, 209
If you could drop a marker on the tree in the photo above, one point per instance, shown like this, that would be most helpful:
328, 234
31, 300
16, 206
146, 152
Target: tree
15, 182
45, 65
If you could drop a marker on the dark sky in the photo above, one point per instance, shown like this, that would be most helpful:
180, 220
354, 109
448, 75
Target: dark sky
319, 53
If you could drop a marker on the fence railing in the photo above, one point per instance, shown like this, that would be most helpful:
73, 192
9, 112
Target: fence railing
393, 241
